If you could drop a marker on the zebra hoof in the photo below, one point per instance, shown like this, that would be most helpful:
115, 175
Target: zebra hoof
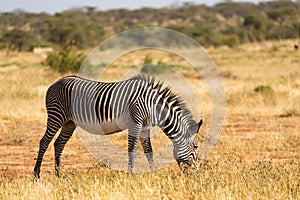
57, 173
36, 175
130, 170
152, 167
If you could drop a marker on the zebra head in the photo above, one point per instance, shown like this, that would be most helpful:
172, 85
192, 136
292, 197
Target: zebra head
185, 154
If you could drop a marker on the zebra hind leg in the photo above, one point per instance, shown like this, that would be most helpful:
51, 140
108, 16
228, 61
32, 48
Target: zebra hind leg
147, 147
52, 128
59, 144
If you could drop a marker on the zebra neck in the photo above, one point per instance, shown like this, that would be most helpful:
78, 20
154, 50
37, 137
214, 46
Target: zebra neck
179, 148
170, 121
175, 130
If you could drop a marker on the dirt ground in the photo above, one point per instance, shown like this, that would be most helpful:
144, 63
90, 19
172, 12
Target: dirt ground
20, 158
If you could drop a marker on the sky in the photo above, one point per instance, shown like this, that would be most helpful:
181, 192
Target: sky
53, 6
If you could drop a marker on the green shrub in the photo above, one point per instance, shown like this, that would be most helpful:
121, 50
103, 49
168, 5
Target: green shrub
148, 60
231, 40
155, 69
150, 68
264, 89
65, 60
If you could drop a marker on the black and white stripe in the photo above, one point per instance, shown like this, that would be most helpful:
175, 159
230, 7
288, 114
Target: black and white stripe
104, 108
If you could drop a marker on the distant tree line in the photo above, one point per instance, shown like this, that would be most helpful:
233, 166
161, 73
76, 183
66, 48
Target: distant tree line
226, 23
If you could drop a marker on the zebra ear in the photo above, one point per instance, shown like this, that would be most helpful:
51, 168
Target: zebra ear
195, 128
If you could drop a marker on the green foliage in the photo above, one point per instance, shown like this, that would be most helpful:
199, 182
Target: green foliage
226, 23
256, 27
150, 68
229, 9
254, 21
231, 40
280, 13
296, 26
202, 33
264, 89
68, 29
155, 69
15, 39
65, 60
148, 59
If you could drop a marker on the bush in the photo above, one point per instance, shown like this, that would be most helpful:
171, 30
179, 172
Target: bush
155, 69
150, 68
231, 40
148, 60
65, 60
264, 89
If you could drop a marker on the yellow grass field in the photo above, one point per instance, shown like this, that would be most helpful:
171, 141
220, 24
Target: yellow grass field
257, 156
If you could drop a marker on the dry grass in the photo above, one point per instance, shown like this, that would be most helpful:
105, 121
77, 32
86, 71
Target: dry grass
230, 179
257, 156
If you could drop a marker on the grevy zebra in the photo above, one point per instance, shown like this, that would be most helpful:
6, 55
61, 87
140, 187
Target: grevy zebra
136, 104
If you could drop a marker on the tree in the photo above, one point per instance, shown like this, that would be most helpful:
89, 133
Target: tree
256, 26
15, 39
297, 28
73, 27
62, 31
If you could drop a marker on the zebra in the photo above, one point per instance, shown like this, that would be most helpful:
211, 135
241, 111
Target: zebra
136, 104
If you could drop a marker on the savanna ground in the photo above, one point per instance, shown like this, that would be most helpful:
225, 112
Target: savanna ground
257, 156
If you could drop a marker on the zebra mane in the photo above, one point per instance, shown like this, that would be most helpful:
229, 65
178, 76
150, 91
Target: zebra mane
166, 93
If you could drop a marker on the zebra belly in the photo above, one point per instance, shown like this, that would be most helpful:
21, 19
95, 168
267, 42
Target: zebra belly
104, 128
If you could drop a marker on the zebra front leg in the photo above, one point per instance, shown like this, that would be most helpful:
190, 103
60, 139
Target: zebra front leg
132, 143
51, 129
60, 142
133, 135
147, 147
